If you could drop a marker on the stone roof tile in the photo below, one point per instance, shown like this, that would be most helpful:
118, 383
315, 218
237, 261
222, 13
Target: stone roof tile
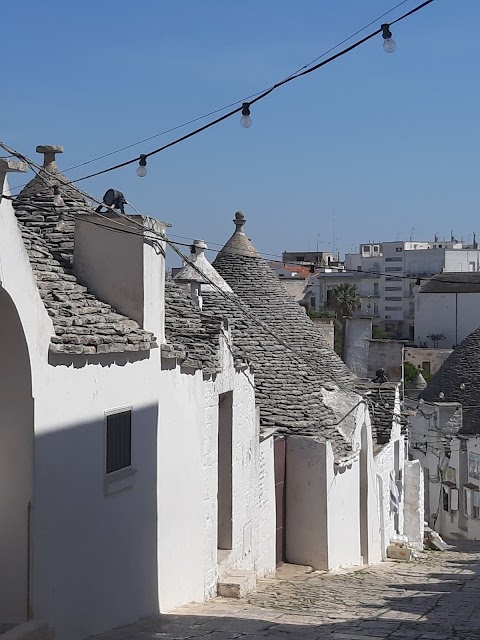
458, 379
82, 323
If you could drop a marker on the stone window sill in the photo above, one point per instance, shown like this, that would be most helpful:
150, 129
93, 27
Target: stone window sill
119, 480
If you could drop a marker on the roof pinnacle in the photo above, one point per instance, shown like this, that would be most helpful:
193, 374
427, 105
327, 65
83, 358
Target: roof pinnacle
239, 221
49, 151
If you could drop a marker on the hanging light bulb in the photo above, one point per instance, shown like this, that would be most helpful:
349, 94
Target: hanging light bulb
441, 395
57, 198
462, 386
389, 44
246, 120
142, 166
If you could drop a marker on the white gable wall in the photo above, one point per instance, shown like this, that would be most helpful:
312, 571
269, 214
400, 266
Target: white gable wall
455, 315
93, 555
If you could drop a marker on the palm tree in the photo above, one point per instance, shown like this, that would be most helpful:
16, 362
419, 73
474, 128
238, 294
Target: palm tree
345, 302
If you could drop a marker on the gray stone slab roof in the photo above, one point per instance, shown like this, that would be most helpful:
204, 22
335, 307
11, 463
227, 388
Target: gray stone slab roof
82, 323
459, 380
290, 396
453, 282
192, 336
381, 404
260, 290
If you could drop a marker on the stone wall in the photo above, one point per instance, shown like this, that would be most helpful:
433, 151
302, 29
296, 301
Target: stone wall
358, 332
327, 328
388, 355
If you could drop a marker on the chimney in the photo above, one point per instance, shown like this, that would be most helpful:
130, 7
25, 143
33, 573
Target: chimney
122, 261
49, 152
9, 166
192, 274
201, 275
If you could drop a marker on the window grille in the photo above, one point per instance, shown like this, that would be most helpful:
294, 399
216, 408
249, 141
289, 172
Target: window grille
119, 441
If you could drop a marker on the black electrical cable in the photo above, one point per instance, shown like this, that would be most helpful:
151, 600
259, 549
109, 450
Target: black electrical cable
262, 95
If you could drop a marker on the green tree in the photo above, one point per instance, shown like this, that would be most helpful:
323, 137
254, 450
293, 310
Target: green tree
436, 338
410, 372
345, 301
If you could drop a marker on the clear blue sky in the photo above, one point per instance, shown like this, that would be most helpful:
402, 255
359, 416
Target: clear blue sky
391, 141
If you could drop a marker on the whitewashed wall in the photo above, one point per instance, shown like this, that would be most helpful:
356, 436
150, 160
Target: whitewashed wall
454, 315
106, 560
94, 556
253, 489
265, 524
324, 514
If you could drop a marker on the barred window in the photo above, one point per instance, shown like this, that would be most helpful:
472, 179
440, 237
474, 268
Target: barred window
118, 441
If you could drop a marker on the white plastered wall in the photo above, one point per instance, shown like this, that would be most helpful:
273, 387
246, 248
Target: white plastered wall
94, 556
325, 509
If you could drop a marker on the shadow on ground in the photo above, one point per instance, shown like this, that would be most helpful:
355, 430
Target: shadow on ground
437, 606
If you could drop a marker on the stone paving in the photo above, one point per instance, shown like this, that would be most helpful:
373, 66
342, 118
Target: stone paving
436, 597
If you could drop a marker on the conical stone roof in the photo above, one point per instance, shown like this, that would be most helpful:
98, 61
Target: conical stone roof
82, 323
458, 380
258, 287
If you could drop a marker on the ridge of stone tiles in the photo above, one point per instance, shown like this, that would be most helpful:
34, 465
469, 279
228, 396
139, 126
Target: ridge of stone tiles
82, 323
260, 289
193, 337
381, 415
288, 392
461, 367
453, 282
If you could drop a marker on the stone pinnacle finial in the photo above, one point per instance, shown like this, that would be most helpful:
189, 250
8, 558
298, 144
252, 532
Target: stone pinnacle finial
49, 151
239, 220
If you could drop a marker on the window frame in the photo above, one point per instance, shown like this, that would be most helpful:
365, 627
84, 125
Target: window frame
119, 479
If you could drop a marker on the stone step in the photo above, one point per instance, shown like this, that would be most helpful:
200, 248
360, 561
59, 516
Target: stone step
237, 584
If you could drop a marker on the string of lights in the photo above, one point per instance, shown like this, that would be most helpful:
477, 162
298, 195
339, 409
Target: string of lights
245, 108
151, 233
231, 104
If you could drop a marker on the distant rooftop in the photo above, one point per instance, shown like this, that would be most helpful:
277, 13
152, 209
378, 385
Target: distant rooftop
453, 282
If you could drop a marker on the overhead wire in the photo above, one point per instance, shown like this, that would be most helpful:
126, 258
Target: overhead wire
256, 99
231, 104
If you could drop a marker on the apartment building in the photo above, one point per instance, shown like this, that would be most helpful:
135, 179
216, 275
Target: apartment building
386, 273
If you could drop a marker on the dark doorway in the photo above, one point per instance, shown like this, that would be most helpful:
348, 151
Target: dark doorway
16, 465
225, 515
280, 457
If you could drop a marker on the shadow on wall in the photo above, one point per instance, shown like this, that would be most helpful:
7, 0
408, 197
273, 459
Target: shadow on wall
94, 554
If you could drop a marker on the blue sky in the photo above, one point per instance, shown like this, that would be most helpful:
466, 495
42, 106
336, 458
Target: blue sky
390, 142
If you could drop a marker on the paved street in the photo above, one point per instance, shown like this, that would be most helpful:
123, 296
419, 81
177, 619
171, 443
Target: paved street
434, 598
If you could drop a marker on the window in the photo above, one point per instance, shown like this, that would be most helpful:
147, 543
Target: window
393, 268
393, 259
300, 258
394, 298
118, 440
398, 249
375, 288
393, 308
393, 279
312, 302
393, 288
375, 309
426, 366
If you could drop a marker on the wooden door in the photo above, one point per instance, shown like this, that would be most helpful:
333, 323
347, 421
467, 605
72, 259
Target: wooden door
280, 496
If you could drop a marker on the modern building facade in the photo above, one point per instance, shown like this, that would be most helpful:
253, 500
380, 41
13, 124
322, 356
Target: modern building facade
386, 274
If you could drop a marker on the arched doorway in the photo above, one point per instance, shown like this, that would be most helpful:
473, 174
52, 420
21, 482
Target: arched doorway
16, 464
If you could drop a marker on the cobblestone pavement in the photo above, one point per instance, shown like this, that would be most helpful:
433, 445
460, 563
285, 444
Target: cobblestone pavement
436, 597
